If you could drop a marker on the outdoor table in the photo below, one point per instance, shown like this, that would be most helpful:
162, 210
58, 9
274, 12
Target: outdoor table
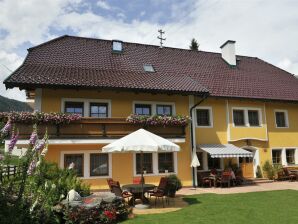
136, 190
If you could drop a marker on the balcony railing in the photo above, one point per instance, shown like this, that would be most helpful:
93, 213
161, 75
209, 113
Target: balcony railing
97, 128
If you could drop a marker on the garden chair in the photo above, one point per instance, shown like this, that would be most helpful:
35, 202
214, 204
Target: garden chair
111, 182
117, 190
225, 179
160, 192
137, 180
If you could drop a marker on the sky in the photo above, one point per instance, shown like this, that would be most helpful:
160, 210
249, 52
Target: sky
265, 29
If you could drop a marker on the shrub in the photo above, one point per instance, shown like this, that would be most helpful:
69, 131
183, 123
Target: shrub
259, 172
103, 213
175, 181
271, 170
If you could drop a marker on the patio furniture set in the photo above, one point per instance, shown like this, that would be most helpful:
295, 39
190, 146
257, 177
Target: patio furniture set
138, 190
216, 178
286, 174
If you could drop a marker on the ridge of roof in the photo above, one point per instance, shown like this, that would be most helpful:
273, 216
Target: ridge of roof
128, 42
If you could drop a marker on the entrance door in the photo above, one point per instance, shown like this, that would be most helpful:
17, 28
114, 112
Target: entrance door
247, 166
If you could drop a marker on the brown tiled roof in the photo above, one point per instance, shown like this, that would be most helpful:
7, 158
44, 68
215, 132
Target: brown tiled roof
75, 62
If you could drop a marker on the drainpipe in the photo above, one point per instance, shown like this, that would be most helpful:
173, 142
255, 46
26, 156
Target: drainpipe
192, 132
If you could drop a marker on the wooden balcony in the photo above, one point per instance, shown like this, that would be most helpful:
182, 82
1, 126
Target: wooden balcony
95, 128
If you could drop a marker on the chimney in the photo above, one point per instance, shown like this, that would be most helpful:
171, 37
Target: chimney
228, 52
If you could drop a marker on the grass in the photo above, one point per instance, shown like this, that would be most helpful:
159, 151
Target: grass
257, 207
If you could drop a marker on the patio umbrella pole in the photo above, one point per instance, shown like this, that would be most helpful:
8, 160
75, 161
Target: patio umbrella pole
142, 175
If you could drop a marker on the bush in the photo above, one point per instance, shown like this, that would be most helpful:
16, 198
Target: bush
269, 171
259, 172
28, 195
104, 213
175, 181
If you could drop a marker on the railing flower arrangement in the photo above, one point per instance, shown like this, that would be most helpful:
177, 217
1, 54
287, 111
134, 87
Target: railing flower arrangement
38, 117
155, 120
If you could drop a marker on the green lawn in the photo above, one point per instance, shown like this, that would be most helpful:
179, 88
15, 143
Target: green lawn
258, 207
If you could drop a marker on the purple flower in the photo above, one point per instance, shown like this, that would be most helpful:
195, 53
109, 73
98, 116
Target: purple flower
13, 142
32, 167
33, 138
6, 129
40, 145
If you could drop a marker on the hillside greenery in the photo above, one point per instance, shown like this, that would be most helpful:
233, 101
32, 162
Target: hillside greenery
7, 105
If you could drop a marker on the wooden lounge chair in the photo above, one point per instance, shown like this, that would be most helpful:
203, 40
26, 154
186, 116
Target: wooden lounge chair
289, 175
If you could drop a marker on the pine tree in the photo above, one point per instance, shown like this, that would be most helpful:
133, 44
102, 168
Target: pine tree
194, 45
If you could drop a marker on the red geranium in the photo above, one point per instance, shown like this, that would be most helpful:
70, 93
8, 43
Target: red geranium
110, 215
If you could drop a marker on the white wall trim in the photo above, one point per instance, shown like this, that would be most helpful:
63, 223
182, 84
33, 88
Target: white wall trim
153, 105
155, 165
209, 108
87, 104
248, 138
246, 121
87, 162
37, 99
286, 118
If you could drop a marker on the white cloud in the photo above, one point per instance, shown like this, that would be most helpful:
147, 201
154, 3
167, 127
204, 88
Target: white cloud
103, 4
8, 63
265, 29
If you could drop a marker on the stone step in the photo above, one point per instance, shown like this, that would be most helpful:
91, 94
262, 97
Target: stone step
249, 181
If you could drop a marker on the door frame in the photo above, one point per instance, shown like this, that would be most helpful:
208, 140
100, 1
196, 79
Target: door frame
256, 157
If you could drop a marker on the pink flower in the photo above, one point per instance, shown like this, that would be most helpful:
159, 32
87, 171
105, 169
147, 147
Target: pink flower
32, 167
40, 145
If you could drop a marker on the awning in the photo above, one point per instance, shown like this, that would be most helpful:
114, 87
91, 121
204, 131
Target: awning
224, 150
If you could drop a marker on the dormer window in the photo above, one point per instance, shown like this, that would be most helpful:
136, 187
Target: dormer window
117, 46
148, 68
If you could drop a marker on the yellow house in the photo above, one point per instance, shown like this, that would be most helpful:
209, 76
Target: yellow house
239, 106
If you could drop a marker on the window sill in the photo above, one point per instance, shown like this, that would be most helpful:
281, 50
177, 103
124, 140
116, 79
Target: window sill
95, 177
198, 126
155, 174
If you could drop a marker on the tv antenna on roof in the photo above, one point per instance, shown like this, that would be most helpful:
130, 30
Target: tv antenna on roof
160, 37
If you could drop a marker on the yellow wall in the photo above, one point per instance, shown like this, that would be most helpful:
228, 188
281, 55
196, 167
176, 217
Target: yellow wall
122, 106
263, 138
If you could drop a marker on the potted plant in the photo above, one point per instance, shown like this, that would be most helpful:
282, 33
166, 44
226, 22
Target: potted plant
174, 185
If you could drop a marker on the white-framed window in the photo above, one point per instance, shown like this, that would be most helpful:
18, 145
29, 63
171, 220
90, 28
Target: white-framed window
117, 46
290, 156
247, 117
147, 163
153, 107
281, 118
277, 156
156, 163
88, 163
204, 117
207, 162
87, 107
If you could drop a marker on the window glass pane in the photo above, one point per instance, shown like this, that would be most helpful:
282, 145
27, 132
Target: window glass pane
213, 163
203, 117
147, 163
164, 109
74, 108
98, 110
165, 162
143, 109
238, 117
148, 68
78, 160
253, 118
290, 155
99, 164
280, 119
276, 156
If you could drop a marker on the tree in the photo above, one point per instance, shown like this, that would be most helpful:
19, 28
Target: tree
194, 45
